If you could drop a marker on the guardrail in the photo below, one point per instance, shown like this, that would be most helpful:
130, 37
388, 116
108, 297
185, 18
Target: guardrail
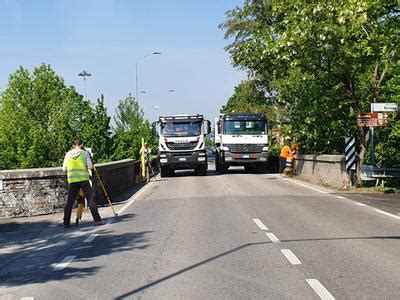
369, 172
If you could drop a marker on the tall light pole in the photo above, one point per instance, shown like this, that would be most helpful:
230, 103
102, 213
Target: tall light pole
137, 72
85, 74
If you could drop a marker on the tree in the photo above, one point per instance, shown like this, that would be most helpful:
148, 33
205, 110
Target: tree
246, 98
97, 133
40, 117
326, 60
130, 129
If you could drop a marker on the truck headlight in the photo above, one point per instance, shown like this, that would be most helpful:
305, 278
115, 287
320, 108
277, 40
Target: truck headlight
228, 158
265, 149
224, 148
163, 155
201, 158
163, 160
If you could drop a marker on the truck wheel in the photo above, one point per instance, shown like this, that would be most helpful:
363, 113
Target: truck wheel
217, 167
249, 169
261, 169
165, 172
223, 168
201, 170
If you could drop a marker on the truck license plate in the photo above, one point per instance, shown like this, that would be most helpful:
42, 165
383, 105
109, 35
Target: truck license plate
182, 159
245, 156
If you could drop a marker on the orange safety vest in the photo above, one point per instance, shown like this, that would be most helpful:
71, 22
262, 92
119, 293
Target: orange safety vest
285, 151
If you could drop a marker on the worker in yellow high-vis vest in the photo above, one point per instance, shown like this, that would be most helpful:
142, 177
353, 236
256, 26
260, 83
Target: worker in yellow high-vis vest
77, 163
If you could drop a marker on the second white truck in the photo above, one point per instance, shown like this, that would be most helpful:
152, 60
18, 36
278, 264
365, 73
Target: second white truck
241, 140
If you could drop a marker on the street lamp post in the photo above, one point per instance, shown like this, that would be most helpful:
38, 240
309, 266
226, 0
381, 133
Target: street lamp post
137, 72
84, 74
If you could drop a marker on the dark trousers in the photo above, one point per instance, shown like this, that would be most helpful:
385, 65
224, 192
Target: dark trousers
73, 191
282, 164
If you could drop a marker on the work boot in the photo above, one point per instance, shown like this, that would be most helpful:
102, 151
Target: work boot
101, 222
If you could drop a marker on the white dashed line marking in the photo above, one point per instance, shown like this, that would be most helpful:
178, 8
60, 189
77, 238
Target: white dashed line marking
272, 237
340, 197
306, 186
260, 224
320, 289
90, 238
360, 204
65, 262
386, 213
27, 298
291, 257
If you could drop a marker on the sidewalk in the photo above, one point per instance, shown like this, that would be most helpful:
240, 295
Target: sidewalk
21, 234
387, 202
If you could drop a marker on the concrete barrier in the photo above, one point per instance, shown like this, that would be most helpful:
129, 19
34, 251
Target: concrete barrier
323, 169
28, 192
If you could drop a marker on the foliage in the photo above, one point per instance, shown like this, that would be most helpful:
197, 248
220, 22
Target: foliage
130, 129
40, 117
326, 61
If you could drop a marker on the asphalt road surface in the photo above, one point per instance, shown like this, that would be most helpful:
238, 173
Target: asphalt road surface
232, 236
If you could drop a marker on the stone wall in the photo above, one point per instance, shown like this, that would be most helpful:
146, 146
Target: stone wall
323, 169
28, 192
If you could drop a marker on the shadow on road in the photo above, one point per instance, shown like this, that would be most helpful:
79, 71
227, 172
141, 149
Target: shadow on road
191, 267
27, 258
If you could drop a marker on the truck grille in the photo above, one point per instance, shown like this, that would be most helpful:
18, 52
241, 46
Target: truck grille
245, 148
182, 146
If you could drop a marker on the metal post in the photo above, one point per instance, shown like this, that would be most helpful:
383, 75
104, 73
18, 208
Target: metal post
143, 161
137, 84
84, 80
372, 147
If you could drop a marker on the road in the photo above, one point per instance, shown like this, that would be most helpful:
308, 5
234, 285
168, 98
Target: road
232, 236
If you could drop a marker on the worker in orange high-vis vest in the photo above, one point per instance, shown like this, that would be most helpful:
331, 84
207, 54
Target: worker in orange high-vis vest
282, 157
77, 163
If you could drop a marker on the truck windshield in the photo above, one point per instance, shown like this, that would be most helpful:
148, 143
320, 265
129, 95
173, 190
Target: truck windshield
244, 127
181, 129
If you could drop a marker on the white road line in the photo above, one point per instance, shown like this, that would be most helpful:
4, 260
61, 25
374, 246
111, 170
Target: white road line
340, 197
272, 237
306, 186
134, 197
320, 289
65, 262
27, 298
90, 238
291, 257
386, 213
260, 224
360, 204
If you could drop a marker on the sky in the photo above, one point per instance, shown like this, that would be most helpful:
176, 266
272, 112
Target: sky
108, 37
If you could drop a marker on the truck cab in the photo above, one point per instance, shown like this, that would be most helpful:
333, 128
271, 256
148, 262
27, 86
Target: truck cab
241, 140
181, 143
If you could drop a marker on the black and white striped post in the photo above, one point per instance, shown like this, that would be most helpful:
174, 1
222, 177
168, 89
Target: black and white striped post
350, 153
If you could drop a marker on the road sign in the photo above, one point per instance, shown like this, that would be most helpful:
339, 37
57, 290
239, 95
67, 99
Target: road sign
372, 119
381, 107
350, 153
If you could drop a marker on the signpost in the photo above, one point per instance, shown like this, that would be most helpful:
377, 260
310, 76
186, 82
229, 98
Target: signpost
372, 119
350, 154
382, 107
376, 118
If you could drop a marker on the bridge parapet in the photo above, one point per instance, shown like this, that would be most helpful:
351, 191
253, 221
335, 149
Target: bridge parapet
28, 192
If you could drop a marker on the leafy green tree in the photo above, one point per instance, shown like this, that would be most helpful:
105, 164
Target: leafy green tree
97, 133
326, 60
40, 116
130, 129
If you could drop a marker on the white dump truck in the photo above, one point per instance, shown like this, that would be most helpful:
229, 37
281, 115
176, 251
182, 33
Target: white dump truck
182, 143
241, 140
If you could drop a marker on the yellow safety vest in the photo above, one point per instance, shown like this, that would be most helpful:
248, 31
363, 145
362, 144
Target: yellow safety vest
76, 169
